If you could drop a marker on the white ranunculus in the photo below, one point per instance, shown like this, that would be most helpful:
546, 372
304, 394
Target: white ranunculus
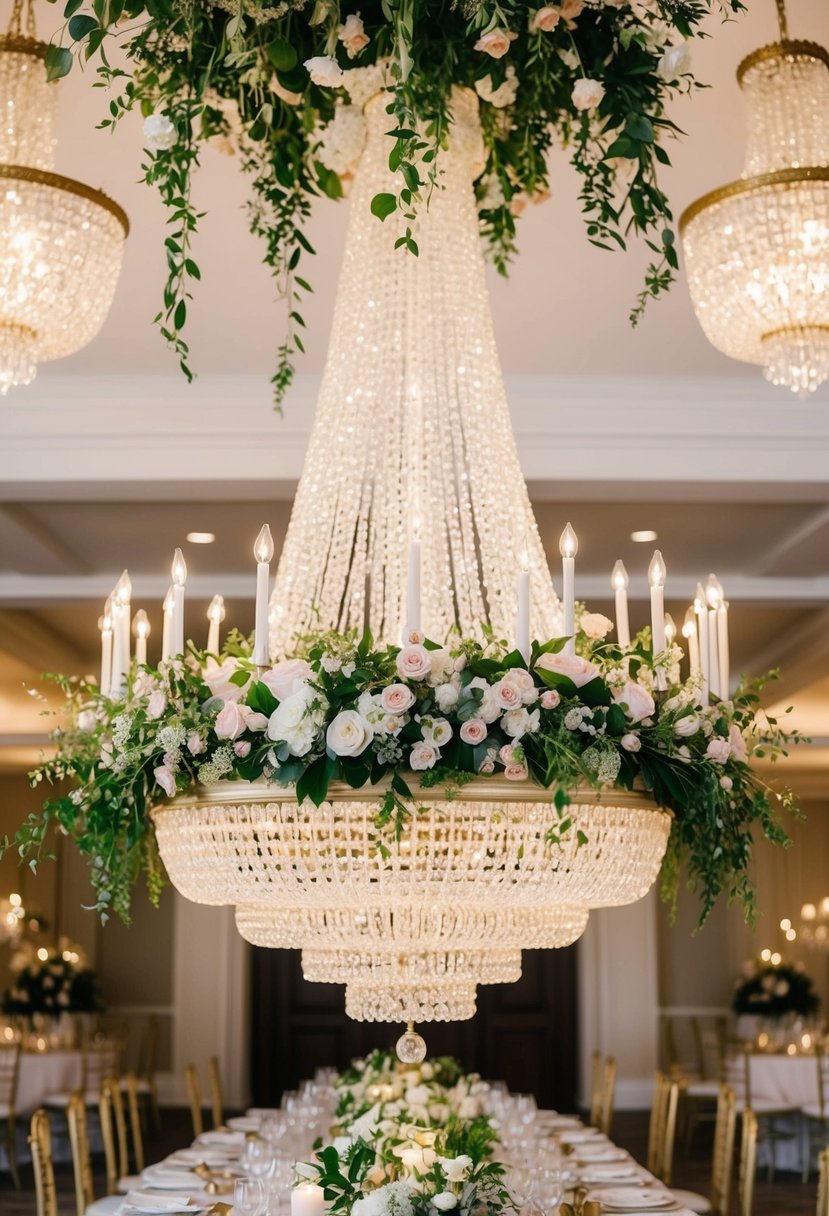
445, 1201
349, 734
294, 721
446, 696
324, 71
587, 94
160, 133
675, 62
519, 722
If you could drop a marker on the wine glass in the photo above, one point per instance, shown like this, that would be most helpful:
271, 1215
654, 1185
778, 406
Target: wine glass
250, 1196
258, 1158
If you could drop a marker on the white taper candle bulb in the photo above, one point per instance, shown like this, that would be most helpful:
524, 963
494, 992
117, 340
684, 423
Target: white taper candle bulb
263, 552
568, 547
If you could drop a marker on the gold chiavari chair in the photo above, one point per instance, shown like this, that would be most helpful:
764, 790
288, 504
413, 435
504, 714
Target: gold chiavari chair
9, 1074
216, 1098
145, 1072
191, 1081
768, 1112
85, 1201
603, 1091
662, 1127
99, 1059
722, 1163
40, 1142
823, 1184
114, 1135
129, 1086
816, 1114
748, 1162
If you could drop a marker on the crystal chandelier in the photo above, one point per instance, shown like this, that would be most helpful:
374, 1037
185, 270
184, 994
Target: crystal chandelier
412, 479
757, 250
61, 242
813, 930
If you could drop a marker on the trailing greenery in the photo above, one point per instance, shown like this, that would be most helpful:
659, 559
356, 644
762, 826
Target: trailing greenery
282, 86
343, 709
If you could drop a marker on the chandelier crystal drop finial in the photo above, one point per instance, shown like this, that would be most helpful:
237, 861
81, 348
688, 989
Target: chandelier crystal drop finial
757, 249
411, 1047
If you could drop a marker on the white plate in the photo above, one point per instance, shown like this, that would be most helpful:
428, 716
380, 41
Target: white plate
261, 1112
244, 1123
627, 1199
171, 1179
598, 1172
561, 1123
586, 1154
188, 1157
582, 1135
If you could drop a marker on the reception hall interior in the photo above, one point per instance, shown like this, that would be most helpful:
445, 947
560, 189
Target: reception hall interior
414, 607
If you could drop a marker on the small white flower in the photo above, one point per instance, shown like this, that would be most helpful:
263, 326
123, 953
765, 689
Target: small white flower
349, 734
675, 62
445, 1201
324, 71
587, 94
353, 35
159, 133
504, 95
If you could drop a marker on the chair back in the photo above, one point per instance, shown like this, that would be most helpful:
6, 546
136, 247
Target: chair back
662, 1127
40, 1142
748, 1162
191, 1081
216, 1099
822, 1062
823, 1184
608, 1094
148, 1049
113, 1133
670, 1055
134, 1109
722, 1166
596, 1064
101, 1060
78, 1123
9, 1075
737, 1073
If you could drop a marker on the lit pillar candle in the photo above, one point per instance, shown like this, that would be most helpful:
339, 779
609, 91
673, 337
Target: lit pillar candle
620, 582
123, 594
141, 629
413, 585
263, 552
105, 626
713, 594
167, 625
119, 659
307, 1199
568, 547
522, 612
215, 615
689, 632
701, 612
179, 571
656, 578
722, 643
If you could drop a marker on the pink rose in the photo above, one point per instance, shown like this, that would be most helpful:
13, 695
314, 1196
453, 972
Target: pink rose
506, 753
718, 750
516, 772
738, 744
636, 701
726, 783
580, 671
156, 705
507, 695
195, 743
521, 679
474, 731
241, 748
422, 756
496, 42
166, 778
217, 678
230, 721
414, 663
631, 742
550, 699
546, 18
397, 698
284, 678
571, 9
487, 765
353, 35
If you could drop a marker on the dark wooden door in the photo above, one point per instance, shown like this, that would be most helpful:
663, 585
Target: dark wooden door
524, 1033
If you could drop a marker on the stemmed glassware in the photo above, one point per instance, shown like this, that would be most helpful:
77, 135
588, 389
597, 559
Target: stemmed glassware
250, 1196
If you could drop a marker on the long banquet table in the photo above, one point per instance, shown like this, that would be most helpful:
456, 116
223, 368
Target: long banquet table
591, 1160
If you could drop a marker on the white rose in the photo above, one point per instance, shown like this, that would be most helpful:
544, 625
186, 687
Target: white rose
518, 722
522, 679
324, 71
166, 778
442, 665
580, 671
353, 35
595, 626
738, 744
446, 696
422, 756
587, 93
294, 723
631, 742
287, 677
718, 750
349, 734
507, 695
675, 62
231, 721
488, 709
427, 1071
159, 133
417, 1095
445, 1201
473, 732
636, 701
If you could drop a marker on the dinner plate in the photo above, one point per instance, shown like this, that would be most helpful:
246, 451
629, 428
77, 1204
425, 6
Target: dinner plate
581, 1135
627, 1199
171, 1179
226, 1139
599, 1172
588, 1153
140, 1201
188, 1157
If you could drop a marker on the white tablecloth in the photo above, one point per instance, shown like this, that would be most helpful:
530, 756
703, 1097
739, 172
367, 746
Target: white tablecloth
43, 1073
789, 1080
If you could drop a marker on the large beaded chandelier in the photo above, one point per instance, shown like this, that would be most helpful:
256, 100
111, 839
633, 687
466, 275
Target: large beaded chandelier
757, 250
61, 241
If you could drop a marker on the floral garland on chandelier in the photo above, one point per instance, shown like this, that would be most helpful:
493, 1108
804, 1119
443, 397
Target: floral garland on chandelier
282, 85
342, 709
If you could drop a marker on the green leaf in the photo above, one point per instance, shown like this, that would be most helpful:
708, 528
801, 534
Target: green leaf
71, 8
641, 128
80, 26
282, 55
58, 62
382, 205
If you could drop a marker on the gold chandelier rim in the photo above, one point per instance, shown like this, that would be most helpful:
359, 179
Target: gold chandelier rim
785, 49
19, 44
781, 330
45, 177
480, 789
787, 178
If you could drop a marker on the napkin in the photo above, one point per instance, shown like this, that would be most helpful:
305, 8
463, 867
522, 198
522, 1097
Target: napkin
226, 1138
144, 1201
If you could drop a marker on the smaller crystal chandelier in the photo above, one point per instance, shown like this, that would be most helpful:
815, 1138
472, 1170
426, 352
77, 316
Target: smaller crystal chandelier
813, 930
61, 242
757, 250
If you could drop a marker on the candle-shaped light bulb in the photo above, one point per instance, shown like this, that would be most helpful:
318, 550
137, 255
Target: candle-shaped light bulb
412, 624
263, 546
713, 591
713, 597
656, 578
167, 623
701, 612
105, 626
670, 629
141, 631
263, 552
522, 614
179, 572
568, 544
568, 547
215, 615
718, 629
689, 632
123, 588
620, 581
689, 625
